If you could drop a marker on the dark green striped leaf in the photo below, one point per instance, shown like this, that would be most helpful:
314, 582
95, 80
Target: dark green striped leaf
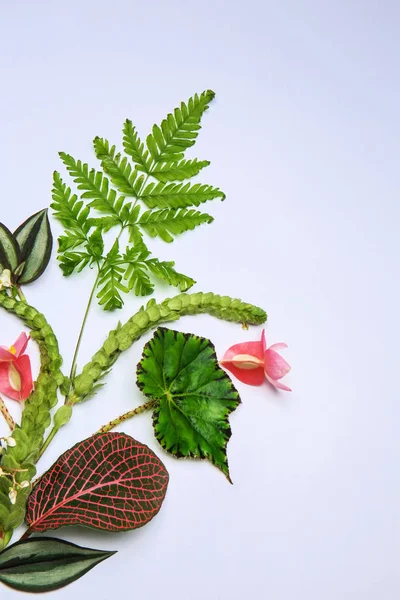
46, 564
36, 242
9, 250
194, 396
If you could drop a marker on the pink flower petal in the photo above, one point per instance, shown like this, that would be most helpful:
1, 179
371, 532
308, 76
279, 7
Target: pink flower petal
23, 366
250, 348
276, 367
263, 340
21, 344
278, 384
6, 355
248, 376
16, 378
278, 346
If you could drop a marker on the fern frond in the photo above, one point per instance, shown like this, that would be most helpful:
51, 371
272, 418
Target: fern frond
110, 280
179, 130
70, 211
95, 187
118, 168
136, 270
74, 261
178, 170
179, 195
135, 148
171, 222
166, 272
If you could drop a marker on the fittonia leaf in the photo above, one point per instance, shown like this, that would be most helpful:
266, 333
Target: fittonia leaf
194, 397
109, 481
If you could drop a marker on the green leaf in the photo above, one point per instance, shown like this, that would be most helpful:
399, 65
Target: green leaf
110, 280
135, 148
136, 270
179, 130
178, 170
169, 222
118, 168
70, 211
179, 195
95, 187
74, 261
44, 564
62, 416
166, 272
195, 397
35, 241
10, 256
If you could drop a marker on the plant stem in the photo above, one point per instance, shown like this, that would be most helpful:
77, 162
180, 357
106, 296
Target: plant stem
47, 441
25, 535
78, 344
21, 295
8, 418
128, 415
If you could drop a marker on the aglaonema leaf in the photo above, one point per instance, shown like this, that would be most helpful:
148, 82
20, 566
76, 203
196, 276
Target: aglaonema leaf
45, 564
194, 396
109, 481
35, 240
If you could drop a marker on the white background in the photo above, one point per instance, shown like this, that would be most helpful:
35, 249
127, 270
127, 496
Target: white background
304, 139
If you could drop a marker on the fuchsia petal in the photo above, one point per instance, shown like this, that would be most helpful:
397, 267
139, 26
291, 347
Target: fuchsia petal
251, 348
245, 361
276, 367
6, 355
278, 346
248, 376
23, 366
278, 384
21, 344
5, 386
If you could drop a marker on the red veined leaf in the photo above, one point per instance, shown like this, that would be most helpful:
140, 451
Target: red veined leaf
109, 481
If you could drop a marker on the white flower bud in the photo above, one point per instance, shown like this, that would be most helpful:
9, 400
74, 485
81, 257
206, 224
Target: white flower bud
10, 442
12, 495
5, 279
24, 484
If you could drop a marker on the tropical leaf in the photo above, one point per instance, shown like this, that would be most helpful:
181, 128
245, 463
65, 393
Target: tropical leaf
171, 222
135, 148
10, 255
109, 481
178, 170
178, 195
179, 130
110, 280
95, 187
166, 272
45, 564
118, 168
35, 241
194, 396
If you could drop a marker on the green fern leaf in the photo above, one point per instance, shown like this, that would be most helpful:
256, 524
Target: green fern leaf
74, 261
110, 280
120, 171
178, 170
70, 211
136, 270
178, 195
166, 272
135, 148
169, 222
95, 187
179, 130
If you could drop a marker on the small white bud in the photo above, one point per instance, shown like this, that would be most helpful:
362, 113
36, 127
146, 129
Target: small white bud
10, 442
12, 495
5, 279
1, 472
24, 484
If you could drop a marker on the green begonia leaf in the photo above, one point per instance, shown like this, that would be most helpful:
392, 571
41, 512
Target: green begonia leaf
194, 396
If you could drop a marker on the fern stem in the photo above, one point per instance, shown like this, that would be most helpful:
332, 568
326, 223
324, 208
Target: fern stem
128, 415
81, 332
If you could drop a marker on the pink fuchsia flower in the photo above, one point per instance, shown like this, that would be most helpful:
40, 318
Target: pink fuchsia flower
251, 362
15, 370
